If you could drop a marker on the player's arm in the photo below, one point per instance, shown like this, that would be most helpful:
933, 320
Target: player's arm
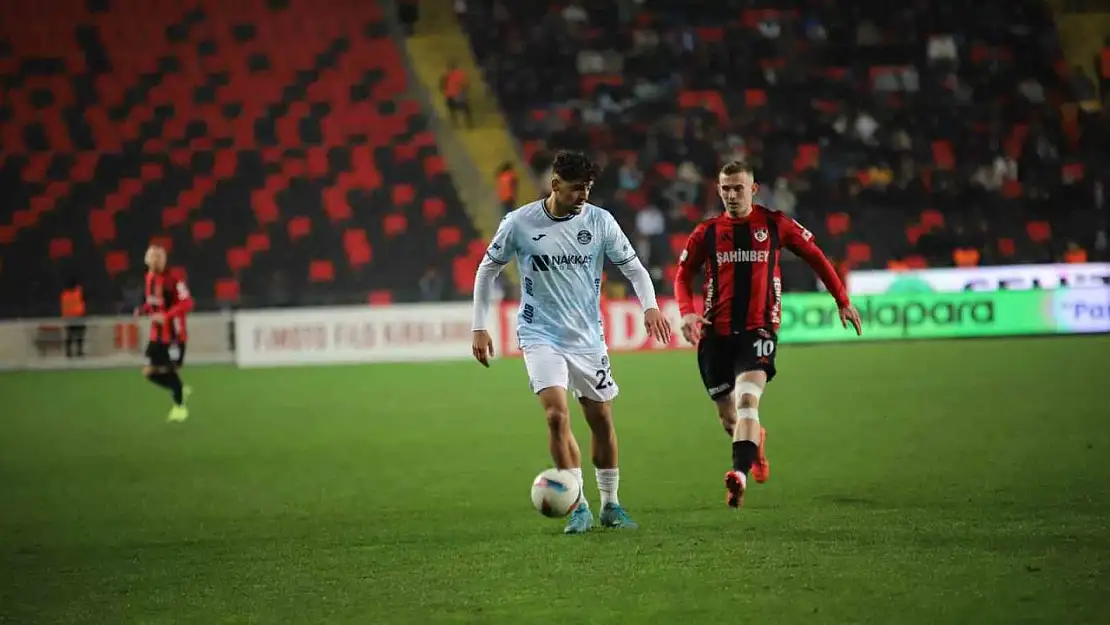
689, 264
620, 253
498, 255
184, 303
800, 241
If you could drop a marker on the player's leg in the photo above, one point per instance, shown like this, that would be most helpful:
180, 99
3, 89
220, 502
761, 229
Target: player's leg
161, 372
748, 433
591, 379
179, 362
717, 366
547, 376
754, 359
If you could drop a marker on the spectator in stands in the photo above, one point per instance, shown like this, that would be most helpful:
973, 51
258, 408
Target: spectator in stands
507, 185
432, 285
454, 87
73, 311
408, 13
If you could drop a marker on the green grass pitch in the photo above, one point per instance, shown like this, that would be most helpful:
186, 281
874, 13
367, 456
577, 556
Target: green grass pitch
917, 483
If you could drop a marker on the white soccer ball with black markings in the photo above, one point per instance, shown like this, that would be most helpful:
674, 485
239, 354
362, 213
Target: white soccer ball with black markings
555, 493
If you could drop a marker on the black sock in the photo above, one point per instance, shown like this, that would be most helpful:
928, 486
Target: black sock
743, 455
175, 386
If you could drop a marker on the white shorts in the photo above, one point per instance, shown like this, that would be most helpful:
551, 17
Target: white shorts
586, 375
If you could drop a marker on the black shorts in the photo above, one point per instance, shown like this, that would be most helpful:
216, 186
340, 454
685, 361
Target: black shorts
158, 354
722, 358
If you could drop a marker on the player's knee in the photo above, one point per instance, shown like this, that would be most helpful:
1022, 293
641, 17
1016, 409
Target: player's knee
748, 395
147, 371
558, 418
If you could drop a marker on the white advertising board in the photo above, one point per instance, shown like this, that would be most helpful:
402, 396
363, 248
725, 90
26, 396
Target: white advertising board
993, 278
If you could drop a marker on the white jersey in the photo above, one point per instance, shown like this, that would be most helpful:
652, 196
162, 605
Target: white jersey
560, 262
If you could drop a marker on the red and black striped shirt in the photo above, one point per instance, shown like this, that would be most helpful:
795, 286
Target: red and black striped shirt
741, 257
167, 295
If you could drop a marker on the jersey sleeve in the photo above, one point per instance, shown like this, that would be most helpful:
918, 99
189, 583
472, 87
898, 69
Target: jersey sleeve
689, 262
799, 240
183, 299
617, 246
502, 247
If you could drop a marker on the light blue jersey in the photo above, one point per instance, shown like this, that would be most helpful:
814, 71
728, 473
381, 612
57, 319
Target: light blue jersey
560, 260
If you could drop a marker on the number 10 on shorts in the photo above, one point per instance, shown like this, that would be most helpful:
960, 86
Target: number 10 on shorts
763, 347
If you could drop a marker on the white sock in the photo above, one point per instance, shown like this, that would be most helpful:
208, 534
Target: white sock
577, 471
607, 482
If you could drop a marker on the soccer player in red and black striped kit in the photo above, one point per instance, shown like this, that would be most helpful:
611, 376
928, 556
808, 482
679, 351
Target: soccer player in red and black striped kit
736, 335
167, 300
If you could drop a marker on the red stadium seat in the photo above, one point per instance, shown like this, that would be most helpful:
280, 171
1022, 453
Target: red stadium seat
395, 224
258, 242
380, 298
299, 228
1038, 231
227, 290
238, 259
932, 218
838, 223
61, 248
859, 252
448, 236
203, 230
434, 209
321, 271
116, 262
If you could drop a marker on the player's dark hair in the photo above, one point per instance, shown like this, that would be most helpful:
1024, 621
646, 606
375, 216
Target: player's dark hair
574, 167
732, 168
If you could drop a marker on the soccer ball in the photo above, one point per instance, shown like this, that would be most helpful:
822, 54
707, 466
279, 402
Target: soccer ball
555, 493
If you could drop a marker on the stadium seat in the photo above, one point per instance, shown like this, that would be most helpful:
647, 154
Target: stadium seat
1038, 231
858, 253
321, 271
203, 230
61, 248
227, 290
238, 259
116, 262
379, 298
299, 228
838, 224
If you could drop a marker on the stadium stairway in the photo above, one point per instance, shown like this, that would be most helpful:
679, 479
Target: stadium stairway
1082, 34
439, 38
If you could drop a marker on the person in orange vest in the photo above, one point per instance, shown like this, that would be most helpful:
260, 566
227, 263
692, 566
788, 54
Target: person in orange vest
506, 187
453, 85
1075, 253
73, 312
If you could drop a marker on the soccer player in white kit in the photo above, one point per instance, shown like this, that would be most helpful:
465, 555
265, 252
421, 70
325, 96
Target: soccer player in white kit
559, 244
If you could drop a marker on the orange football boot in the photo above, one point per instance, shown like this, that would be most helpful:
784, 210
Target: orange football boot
761, 468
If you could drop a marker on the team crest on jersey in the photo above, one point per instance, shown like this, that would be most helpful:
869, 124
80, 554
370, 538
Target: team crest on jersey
605, 361
761, 234
584, 237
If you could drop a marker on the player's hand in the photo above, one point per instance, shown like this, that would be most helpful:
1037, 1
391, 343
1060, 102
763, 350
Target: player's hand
657, 324
157, 317
693, 327
849, 314
483, 347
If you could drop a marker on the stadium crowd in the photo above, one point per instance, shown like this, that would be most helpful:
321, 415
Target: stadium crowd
923, 134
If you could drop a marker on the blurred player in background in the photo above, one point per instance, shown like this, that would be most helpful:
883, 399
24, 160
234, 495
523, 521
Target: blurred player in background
736, 335
167, 300
559, 243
